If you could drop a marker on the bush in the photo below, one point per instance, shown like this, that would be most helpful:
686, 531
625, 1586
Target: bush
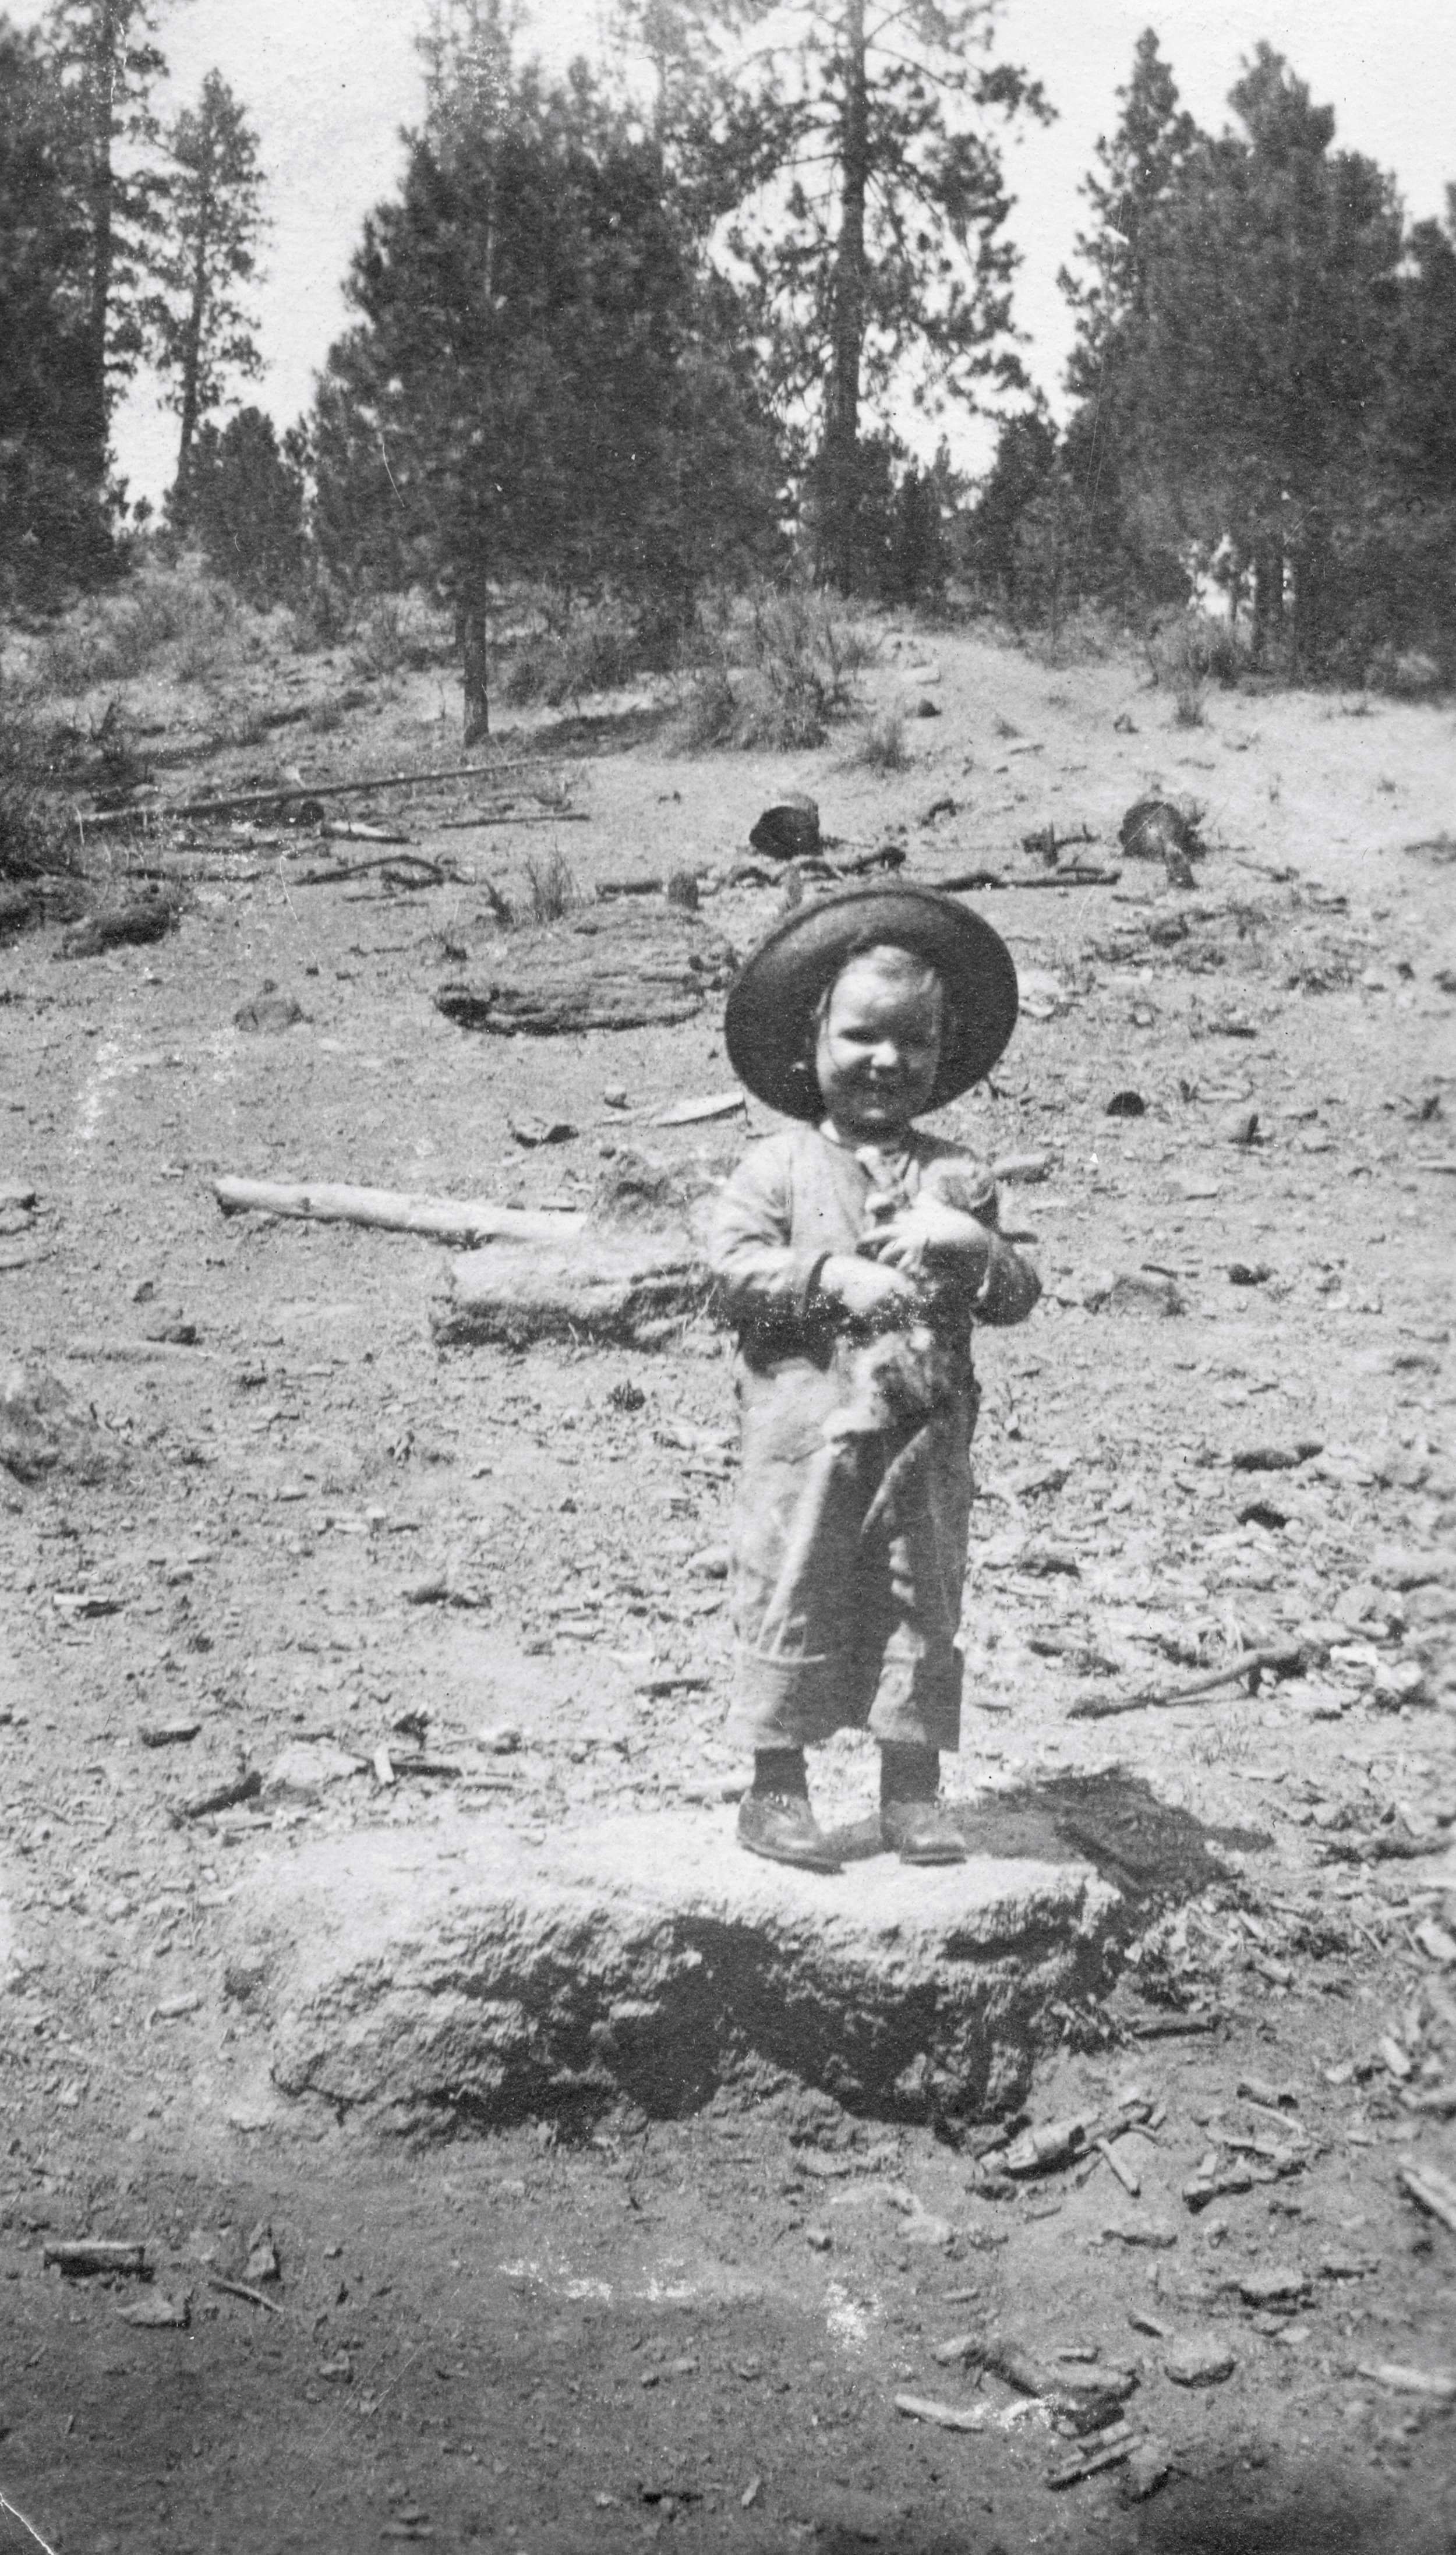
320, 609
398, 631
882, 746
165, 615
584, 648
775, 672
551, 888
1192, 649
1405, 673
37, 838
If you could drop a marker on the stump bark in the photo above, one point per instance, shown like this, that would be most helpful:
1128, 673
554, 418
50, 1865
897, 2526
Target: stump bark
604, 967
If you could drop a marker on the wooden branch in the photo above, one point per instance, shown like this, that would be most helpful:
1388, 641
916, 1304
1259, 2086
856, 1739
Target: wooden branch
1082, 877
393, 1211
467, 824
225, 806
1101, 1707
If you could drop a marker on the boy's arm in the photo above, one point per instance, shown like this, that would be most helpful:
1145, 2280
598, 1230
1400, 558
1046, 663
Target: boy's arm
955, 1221
761, 1277
1009, 1288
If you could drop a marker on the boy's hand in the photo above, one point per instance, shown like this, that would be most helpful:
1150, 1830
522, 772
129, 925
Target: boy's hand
928, 1232
865, 1289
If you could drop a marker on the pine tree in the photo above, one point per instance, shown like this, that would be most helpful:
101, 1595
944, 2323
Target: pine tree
246, 505
1138, 175
870, 208
1125, 545
543, 381
201, 331
52, 526
107, 67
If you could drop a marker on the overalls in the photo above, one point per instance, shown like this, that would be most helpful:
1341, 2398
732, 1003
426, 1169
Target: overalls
848, 1554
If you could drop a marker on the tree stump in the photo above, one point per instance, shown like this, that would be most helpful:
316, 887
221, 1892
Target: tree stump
604, 967
629, 1290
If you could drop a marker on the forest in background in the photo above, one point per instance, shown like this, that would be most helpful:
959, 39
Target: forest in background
686, 326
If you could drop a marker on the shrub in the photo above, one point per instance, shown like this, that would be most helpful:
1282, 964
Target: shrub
552, 886
320, 609
1189, 709
398, 631
1405, 673
36, 838
584, 648
165, 615
1195, 648
775, 671
881, 746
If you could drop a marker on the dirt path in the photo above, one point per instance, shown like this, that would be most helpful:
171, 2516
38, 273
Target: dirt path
294, 1475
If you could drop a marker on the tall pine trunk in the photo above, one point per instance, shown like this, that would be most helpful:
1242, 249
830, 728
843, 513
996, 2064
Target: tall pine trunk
472, 630
192, 358
100, 110
839, 460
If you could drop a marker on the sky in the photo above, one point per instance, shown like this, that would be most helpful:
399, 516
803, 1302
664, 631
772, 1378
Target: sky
328, 84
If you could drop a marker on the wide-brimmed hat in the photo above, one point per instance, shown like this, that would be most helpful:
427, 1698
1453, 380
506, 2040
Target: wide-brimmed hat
770, 1019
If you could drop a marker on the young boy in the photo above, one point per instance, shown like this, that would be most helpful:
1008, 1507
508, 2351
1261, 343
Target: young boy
854, 1256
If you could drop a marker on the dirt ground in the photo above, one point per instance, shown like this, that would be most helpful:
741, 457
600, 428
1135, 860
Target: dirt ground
595, 2333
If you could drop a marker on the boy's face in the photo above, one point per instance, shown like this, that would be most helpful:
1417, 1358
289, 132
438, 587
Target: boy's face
879, 1050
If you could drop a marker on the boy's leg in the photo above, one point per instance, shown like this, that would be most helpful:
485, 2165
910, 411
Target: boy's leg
921, 1564
795, 1554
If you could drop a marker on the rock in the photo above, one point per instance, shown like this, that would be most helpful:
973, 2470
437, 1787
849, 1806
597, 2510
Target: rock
42, 1431
1144, 1291
627, 1287
1406, 1569
613, 966
1146, 2470
269, 1015
1273, 2288
866, 2518
925, 709
157, 2310
1015, 1168
262, 2262
789, 831
649, 1958
114, 927
1202, 2361
1126, 1104
307, 1770
530, 1131
1238, 1126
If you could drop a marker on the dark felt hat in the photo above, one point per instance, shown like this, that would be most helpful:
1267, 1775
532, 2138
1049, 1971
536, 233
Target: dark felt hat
770, 1021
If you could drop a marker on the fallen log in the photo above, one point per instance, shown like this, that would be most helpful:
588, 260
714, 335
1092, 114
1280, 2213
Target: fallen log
470, 824
629, 1290
616, 966
1280, 1658
89, 2254
466, 1220
281, 798
425, 873
1084, 876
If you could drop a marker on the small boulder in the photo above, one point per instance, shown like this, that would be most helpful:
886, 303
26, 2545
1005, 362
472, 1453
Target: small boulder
43, 1432
1203, 2361
1146, 1291
268, 1014
304, 1771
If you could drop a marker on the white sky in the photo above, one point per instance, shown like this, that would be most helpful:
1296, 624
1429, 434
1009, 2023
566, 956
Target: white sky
328, 83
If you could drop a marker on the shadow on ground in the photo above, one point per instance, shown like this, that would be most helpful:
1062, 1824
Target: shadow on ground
1148, 1849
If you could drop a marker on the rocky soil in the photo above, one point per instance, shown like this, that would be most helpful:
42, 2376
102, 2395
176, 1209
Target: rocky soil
272, 1540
